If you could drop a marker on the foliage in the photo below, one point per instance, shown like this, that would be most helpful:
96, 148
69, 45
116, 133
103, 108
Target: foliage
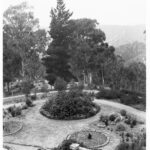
120, 127
112, 117
29, 102
104, 118
60, 84
56, 61
108, 94
70, 105
137, 143
130, 120
14, 111
123, 112
24, 37
26, 87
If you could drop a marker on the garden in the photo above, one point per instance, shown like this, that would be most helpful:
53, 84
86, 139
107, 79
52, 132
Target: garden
69, 88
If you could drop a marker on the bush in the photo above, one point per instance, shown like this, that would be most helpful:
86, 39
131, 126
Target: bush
60, 84
29, 102
132, 97
120, 127
108, 94
103, 118
33, 97
15, 111
131, 121
123, 112
112, 117
70, 105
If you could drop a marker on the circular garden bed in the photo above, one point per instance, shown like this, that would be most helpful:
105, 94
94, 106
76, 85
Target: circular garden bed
90, 139
70, 105
11, 127
5, 147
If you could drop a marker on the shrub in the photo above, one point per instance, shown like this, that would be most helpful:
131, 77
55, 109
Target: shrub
131, 121
70, 105
123, 112
112, 117
33, 97
15, 111
108, 94
29, 102
60, 84
120, 127
103, 118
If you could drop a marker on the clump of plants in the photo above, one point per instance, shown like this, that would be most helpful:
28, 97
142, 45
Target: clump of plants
70, 105
123, 112
108, 94
120, 127
104, 119
15, 111
137, 142
130, 120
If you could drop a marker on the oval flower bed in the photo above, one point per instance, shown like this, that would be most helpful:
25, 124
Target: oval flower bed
90, 139
11, 127
70, 106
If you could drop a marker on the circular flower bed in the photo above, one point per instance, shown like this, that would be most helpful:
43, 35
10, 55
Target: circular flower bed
70, 106
5, 147
11, 127
90, 139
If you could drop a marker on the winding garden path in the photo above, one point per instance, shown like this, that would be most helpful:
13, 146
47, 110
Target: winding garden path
41, 131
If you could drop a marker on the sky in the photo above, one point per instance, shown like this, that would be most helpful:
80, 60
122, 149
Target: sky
106, 12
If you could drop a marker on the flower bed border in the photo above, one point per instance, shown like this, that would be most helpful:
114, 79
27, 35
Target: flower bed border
94, 147
21, 126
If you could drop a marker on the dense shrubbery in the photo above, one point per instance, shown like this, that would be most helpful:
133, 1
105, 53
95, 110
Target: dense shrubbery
70, 105
123, 112
60, 84
108, 94
125, 96
15, 111
137, 142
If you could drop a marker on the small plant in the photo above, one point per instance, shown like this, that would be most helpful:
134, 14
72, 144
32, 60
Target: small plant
112, 117
33, 97
89, 136
14, 111
123, 112
60, 84
103, 118
29, 102
120, 127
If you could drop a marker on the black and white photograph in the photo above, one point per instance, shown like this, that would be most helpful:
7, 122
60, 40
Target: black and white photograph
74, 75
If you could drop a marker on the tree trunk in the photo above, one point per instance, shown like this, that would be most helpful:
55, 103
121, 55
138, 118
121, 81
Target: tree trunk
103, 81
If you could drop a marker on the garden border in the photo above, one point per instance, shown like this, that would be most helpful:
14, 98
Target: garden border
102, 145
21, 126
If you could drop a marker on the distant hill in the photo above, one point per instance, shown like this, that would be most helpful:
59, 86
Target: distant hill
132, 52
117, 35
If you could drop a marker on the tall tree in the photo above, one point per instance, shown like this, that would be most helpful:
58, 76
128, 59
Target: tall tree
23, 30
56, 61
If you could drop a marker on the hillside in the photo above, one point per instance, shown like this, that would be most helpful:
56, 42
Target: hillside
117, 35
132, 52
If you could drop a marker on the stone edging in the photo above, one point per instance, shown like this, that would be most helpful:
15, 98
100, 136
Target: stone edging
21, 126
102, 145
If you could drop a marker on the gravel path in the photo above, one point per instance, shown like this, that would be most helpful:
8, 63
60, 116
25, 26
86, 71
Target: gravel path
41, 131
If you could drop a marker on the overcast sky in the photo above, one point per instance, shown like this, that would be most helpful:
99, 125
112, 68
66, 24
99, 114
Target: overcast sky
107, 12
